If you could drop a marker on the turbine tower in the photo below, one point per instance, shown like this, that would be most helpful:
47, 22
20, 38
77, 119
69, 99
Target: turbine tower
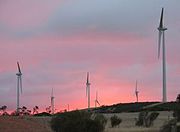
52, 102
19, 85
136, 93
96, 100
161, 40
88, 90
68, 108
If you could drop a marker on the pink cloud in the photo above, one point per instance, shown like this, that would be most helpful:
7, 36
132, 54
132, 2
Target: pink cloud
114, 61
22, 14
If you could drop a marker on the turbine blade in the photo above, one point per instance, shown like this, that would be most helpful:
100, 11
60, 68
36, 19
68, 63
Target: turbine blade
98, 102
52, 93
20, 81
86, 90
161, 20
159, 44
136, 87
96, 95
19, 69
87, 84
87, 78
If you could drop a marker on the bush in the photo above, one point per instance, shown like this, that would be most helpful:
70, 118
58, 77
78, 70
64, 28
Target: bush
76, 121
177, 111
150, 119
146, 119
141, 118
115, 121
169, 126
101, 119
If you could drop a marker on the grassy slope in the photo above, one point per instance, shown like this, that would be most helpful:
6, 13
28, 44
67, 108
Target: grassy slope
24, 124
136, 107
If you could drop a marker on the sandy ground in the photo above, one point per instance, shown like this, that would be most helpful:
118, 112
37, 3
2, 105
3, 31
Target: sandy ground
41, 124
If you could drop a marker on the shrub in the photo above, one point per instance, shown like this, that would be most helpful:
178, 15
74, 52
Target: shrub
169, 126
76, 121
146, 119
115, 121
141, 118
149, 119
101, 119
177, 112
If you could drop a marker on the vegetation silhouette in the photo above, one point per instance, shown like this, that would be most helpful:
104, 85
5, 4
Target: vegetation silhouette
76, 121
115, 121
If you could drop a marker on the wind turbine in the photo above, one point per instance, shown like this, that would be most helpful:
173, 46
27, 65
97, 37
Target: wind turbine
88, 90
161, 40
19, 85
96, 100
52, 101
136, 93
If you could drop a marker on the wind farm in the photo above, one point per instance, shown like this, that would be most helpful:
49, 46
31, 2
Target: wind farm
113, 66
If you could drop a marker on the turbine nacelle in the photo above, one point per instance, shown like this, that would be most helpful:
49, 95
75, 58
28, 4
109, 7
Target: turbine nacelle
18, 74
161, 29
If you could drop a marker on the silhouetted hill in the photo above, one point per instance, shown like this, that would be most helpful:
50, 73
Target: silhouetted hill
140, 106
43, 114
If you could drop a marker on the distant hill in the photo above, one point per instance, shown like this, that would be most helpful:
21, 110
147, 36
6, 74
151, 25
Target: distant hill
136, 107
43, 114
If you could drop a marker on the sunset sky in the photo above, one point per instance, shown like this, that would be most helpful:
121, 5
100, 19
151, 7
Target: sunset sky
58, 41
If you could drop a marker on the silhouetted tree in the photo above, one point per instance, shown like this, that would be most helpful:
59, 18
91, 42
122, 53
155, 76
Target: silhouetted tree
48, 109
177, 112
23, 109
3, 109
35, 110
178, 98
28, 112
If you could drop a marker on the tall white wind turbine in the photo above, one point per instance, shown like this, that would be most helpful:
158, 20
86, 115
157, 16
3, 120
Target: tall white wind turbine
19, 85
88, 90
96, 100
161, 40
136, 92
52, 101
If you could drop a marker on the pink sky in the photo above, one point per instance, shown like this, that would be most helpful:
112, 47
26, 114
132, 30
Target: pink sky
57, 42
